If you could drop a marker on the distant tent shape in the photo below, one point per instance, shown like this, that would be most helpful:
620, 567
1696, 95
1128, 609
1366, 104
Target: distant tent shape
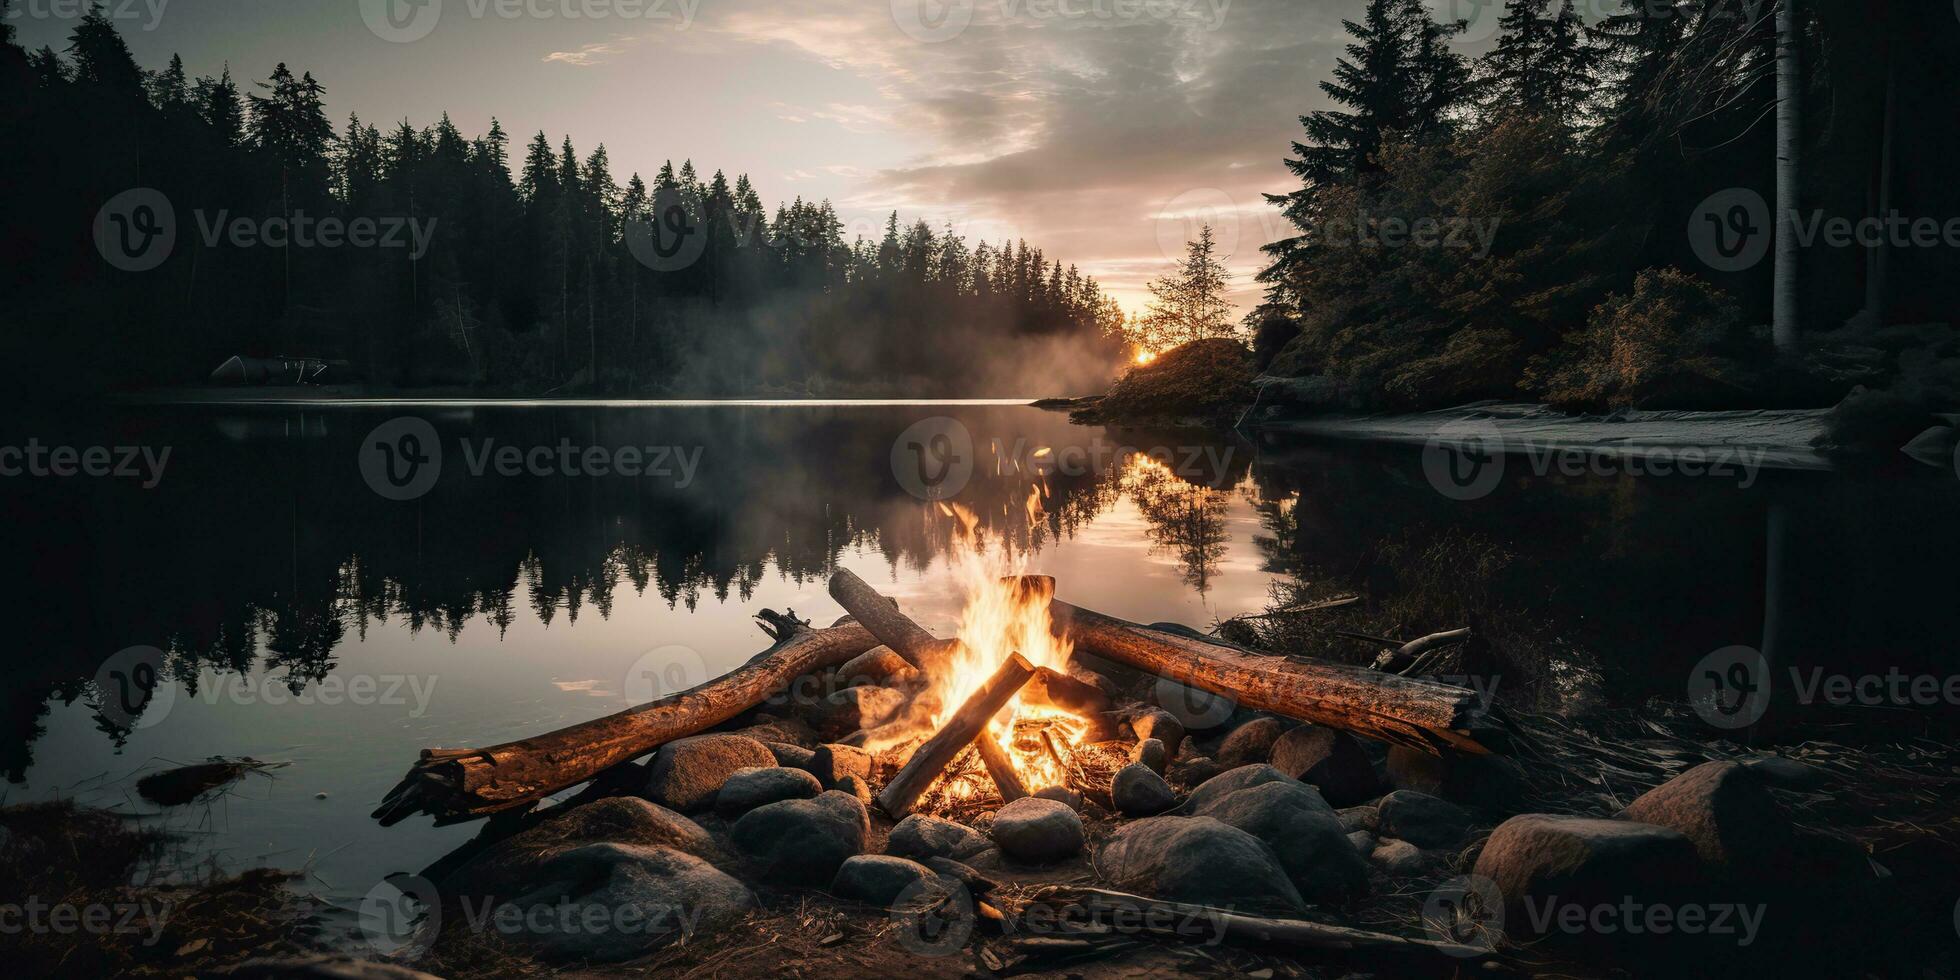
271, 370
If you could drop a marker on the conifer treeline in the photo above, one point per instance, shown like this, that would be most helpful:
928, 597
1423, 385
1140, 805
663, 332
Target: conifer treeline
531, 280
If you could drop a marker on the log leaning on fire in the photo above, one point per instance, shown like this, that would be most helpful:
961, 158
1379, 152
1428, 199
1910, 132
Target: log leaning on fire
880, 615
1420, 714
926, 764
1000, 767
455, 785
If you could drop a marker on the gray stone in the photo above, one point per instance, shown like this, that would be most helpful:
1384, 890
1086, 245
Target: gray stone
920, 837
1061, 794
803, 841
664, 894
1726, 810
1192, 769
1201, 861
1538, 857
1038, 831
1151, 752
510, 866
833, 762
1160, 725
751, 788
687, 772
787, 731
1421, 819
1251, 742
1331, 760
1137, 791
791, 756
856, 786
1399, 857
1302, 830
1359, 817
966, 874
877, 879
1363, 841
1226, 783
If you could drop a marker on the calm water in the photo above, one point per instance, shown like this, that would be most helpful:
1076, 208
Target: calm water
311, 620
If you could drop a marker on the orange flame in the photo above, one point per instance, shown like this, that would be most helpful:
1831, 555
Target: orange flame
1000, 619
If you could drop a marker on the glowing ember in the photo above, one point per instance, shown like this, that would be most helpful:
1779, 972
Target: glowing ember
1145, 357
1000, 619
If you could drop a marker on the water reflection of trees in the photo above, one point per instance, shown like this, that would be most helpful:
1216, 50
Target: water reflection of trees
263, 550
1186, 519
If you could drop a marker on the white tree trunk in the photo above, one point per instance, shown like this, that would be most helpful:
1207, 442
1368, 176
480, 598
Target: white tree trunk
1783, 317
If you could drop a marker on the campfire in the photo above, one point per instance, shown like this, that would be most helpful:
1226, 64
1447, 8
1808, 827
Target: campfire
1007, 656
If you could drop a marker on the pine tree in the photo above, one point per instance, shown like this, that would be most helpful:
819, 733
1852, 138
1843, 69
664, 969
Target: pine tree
1190, 303
291, 126
101, 58
1544, 64
222, 107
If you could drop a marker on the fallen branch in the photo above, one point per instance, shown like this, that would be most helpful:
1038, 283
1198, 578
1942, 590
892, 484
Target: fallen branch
880, 615
1420, 714
456, 785
926, 764
1178, 918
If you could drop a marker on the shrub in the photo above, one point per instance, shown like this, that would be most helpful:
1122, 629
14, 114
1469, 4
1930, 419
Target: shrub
1675, 342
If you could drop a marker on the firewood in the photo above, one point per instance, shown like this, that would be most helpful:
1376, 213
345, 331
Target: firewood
926, 764
1421, 714
456, 785
1000, 767
880, 615
1073, 696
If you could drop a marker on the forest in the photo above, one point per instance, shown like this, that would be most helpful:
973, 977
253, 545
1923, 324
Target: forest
540, 273
1609, 154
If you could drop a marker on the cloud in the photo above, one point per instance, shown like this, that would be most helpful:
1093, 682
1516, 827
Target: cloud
1097, 138
597, 53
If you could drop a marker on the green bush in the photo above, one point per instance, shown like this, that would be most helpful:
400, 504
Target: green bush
1675, 342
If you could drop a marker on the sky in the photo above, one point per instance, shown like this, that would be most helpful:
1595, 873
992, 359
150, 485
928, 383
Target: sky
1102, 131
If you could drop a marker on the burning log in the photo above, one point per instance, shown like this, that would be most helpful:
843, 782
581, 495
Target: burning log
880, 615
1001, 768
456, 785
1420, 714
972, 718
1053, 687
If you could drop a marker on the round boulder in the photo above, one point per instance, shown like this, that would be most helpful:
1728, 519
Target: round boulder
877, 879
1061, 794
921, 838
642, 897
1538, 860
1251, 742
1201, 861
1726, 810
751, 788
1151, 752
803, 841
687, 773
1138, 791
1421, 819
1330, 759
1304, 832
834, 761
1038, 831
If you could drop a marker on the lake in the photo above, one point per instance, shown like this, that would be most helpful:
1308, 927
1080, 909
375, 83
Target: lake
330, 594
